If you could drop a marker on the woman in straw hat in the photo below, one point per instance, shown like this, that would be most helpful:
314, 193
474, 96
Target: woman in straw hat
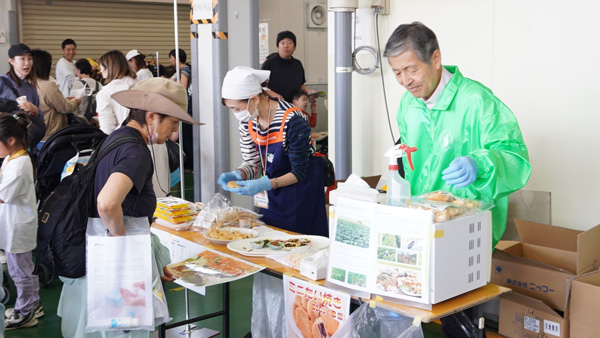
279, 166
125, 200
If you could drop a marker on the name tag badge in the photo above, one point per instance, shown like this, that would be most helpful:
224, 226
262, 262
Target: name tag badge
270, 158
261, 200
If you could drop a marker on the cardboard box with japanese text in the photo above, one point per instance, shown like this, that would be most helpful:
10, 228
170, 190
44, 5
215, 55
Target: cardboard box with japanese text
525, 317
584, 312
543, 262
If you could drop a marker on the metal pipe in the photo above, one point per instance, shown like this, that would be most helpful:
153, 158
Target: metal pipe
343, 94
157, 65
181, 171
220, 112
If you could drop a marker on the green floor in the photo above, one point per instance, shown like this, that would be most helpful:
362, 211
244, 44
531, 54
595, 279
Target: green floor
240, 293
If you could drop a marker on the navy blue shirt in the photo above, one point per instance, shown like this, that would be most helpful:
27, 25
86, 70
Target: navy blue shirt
287, 75
134, 160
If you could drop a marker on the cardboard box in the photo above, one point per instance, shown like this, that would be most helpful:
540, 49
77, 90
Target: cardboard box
584, 312
525, 317
545, 260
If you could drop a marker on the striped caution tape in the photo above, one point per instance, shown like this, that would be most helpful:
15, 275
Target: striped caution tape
215, 14
219, 35
193, 35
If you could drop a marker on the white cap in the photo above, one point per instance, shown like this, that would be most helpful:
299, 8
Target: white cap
242, 82
132, 53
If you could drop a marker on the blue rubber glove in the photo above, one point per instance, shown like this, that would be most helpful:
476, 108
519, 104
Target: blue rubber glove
461, 172
253, 187
226, 177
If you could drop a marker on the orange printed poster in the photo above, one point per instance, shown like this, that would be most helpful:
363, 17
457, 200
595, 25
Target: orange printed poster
312, 310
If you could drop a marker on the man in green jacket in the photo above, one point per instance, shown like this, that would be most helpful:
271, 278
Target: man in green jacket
469, 142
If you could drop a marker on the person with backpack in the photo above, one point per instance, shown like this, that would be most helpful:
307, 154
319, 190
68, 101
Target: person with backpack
86, 87
18, 220
123, 193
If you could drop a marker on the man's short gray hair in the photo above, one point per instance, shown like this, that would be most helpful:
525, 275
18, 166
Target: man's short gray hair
414, 36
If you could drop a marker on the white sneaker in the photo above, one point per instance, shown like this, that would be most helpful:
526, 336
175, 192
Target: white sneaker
2, 257
39, 311
17, 321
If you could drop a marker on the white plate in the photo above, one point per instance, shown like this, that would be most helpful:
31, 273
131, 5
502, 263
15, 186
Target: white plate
250, 232
244, 247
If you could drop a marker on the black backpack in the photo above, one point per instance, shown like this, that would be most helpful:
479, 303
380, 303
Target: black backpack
63, 215
90, 110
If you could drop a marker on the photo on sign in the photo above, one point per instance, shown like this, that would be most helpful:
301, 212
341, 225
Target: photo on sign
352, 233
390, 240
357, 279
338, 274
398, 280
407, 257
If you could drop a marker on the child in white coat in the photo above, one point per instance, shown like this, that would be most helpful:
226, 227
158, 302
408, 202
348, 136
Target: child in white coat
18, 220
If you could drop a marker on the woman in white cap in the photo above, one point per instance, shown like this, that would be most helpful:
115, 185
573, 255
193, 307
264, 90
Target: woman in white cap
125, 200
137, 61
279, 167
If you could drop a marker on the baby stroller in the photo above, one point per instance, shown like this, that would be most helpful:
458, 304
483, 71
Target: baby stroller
58, 149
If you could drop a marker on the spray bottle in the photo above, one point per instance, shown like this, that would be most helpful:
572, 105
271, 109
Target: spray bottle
398, 189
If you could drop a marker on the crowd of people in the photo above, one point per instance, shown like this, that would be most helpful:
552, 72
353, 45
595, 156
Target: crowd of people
121, 95
280, 168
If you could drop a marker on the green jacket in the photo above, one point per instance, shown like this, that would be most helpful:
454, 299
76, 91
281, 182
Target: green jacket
468, 120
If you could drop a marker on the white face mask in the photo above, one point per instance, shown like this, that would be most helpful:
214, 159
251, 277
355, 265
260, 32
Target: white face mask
153, 136
244, 115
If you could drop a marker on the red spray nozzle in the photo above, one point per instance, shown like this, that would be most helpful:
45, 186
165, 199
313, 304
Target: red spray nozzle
408, 150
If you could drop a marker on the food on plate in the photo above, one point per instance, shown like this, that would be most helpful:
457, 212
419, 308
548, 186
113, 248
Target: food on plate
259, 244
393, 281
232, 184
228, 235
275, 245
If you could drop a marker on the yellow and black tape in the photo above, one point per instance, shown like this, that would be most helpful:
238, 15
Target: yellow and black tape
219, 35
215, 14
193, 35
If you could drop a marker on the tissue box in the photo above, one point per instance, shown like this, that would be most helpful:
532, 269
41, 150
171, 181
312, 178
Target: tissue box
313, 269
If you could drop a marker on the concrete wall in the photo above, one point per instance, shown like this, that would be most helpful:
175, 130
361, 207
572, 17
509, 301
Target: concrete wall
5, 31
538, 57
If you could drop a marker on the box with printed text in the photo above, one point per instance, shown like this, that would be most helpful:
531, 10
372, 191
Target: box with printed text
542, 264
525, 317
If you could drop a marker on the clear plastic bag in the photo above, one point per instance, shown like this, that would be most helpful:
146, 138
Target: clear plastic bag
473, 206
268, 307
374, 322
446, 206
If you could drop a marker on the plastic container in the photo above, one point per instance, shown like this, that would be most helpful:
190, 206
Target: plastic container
398, 189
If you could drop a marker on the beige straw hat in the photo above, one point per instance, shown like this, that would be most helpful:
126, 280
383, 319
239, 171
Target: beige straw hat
157, 95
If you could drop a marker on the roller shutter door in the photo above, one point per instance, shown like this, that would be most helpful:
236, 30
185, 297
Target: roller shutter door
98, 27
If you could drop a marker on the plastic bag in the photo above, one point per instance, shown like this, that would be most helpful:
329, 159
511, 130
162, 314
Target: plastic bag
374, 322
473, 206
268, 307
211, 211
446, 206
219, 213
